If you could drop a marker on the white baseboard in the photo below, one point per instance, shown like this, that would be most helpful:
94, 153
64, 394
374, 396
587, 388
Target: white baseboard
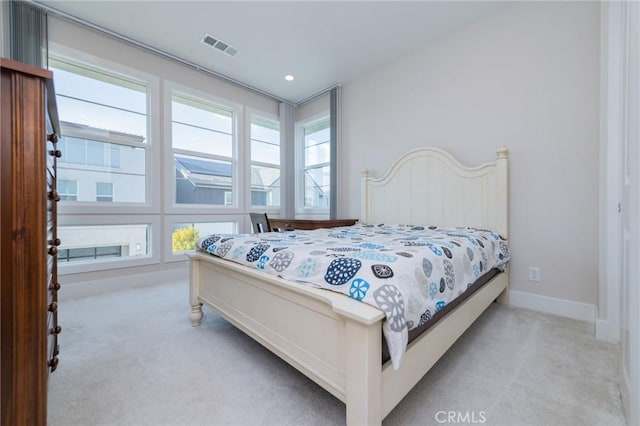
551, 305
107, 285
607, 333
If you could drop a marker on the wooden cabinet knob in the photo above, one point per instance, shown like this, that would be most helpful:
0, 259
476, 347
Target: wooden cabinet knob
52, 138
56, 153
53, 250
53, 195
54, 286
55, 242
53, 307
56, 330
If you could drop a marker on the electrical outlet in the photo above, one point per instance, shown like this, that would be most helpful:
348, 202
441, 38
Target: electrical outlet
534, 274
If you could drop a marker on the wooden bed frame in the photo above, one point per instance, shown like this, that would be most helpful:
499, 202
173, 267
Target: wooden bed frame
337, 341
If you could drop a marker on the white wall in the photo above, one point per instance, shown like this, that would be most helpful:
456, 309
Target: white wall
313, 109
526, 76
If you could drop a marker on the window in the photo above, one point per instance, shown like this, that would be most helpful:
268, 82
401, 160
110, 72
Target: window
104, 191
203, 151
103, 242
88, 152
316, 164
107, 217
104, 123
228, 198
265, 162
72, 255
68, 190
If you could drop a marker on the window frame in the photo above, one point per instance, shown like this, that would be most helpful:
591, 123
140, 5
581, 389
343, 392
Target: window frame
301, 167
73, 213
171, 207
95, 254
153, 221
273, 210
152, 153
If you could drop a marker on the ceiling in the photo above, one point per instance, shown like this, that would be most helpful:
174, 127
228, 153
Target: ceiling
320, 43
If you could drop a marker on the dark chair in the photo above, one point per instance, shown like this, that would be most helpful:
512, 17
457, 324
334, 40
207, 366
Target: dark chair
260, 223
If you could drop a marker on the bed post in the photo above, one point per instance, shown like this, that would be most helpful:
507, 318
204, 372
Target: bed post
502, 200
196, 306
364, 197
363, 374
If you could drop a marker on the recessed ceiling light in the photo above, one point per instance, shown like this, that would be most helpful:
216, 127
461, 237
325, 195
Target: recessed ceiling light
289, 77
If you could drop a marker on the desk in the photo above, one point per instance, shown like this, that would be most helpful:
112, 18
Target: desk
278, 224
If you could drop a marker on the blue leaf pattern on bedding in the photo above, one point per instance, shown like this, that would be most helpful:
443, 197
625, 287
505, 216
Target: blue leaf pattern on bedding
434, 249
433, 290
427, 267
375, 256
359, 288
308, 267
257, 251
340, 271
262, 262
408, 272
208, 241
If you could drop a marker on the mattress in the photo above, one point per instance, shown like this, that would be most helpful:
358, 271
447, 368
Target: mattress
410, 273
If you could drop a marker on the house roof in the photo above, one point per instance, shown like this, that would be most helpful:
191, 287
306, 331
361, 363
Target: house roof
90, 132
204, 167
212, 173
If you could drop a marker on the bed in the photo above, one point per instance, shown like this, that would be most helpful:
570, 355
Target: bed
337, 341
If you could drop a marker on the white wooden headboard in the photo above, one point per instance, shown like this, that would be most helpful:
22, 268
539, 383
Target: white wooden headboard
427, 186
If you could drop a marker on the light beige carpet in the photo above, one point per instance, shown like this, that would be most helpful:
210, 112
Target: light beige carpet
132, 358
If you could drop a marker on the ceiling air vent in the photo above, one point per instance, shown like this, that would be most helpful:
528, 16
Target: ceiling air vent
220, 45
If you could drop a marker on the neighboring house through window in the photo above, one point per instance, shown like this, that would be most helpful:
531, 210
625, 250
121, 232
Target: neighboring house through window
68, 190
202, 137
104, 191
91, 156
265, 162
104, 147
316, 166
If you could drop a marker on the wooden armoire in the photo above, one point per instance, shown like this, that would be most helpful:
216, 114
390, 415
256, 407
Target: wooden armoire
29, 327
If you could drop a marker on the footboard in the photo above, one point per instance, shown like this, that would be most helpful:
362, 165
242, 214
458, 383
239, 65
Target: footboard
332, 339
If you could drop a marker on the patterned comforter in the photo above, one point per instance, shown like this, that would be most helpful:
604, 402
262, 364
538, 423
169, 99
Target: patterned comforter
408, 272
